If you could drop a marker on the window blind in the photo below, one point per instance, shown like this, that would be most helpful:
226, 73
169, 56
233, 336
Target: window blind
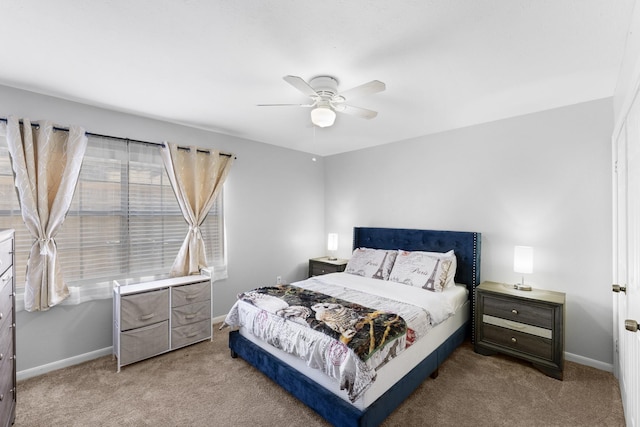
124, 221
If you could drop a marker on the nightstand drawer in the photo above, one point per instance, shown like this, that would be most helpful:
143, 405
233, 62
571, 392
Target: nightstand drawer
517, 326
511, 309
318, 269
518, 341
323, 265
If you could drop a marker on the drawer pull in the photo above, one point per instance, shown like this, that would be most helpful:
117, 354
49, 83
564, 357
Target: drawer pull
514, 311
147, 316
513, 339
190, 316
1, 316
1, 356
192, 334
1, 397
515, 325
192, 296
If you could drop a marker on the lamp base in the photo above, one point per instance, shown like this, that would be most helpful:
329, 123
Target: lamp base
522, 287
332, 258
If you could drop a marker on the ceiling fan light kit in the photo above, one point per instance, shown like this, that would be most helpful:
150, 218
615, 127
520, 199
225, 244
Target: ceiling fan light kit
323, 90
323, 116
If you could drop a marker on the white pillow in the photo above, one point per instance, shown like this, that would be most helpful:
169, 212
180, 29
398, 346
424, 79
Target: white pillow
374, 263
427, 270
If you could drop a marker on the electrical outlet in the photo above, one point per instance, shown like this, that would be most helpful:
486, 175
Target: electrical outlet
278, 280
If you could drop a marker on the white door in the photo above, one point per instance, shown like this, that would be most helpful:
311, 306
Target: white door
627, 261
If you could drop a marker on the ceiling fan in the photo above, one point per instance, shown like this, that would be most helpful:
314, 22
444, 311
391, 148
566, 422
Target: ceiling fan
323, 90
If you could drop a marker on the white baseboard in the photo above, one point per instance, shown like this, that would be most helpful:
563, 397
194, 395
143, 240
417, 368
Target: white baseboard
81, 358
608, 367
59, 364
218, 319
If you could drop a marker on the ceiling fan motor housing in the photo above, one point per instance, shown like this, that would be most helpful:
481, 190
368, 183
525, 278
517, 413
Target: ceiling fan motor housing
324, 85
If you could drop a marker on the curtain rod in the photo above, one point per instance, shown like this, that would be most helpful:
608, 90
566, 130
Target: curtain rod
160, 144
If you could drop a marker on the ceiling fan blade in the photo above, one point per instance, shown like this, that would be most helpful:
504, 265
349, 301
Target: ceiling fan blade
286, 105
301, 85
357, 111
374, 86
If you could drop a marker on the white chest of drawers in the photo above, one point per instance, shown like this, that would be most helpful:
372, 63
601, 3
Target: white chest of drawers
160, 316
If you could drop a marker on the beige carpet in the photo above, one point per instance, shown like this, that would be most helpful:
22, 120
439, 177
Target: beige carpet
202, 386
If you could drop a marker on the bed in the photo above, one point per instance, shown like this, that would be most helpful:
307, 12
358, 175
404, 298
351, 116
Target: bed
399, 376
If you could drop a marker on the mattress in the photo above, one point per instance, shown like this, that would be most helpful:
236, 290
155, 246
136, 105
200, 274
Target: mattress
447, 321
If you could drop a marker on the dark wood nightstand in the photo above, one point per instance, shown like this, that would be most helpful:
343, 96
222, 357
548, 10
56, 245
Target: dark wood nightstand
323, 265
524, 324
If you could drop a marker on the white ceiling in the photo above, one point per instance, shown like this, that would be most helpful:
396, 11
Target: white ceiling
205, 63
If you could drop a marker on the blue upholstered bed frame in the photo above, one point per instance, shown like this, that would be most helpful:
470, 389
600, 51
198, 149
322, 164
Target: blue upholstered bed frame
334, 409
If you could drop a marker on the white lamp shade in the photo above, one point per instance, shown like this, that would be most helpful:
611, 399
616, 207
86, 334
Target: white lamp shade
332, 242
323, 116
523, 259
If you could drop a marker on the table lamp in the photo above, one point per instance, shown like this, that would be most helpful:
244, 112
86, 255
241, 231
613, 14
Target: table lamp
523, 264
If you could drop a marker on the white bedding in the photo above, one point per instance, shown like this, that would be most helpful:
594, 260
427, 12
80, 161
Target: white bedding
422, 310
440, 305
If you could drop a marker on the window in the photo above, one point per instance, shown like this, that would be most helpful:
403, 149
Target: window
124, 221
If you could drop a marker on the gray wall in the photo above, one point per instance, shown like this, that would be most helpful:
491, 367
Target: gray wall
274, 219
542, 180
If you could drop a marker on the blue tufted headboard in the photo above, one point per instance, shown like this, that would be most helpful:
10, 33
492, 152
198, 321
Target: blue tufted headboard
466, 246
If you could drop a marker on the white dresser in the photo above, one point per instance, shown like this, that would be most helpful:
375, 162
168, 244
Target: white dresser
156, 317
7, 330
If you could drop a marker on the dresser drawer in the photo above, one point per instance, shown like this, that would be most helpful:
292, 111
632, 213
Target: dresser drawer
6, 363
6, 336
6, 255
7, 389
6, 295
7, 368
191, 313
514, 310
518, 341
145, 342
188, 294
144, 309
189, 334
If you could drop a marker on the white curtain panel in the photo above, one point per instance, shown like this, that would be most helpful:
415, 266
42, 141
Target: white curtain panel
46, 164
197, 178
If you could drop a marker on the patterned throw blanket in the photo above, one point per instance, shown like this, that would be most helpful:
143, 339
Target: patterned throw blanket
363, 330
